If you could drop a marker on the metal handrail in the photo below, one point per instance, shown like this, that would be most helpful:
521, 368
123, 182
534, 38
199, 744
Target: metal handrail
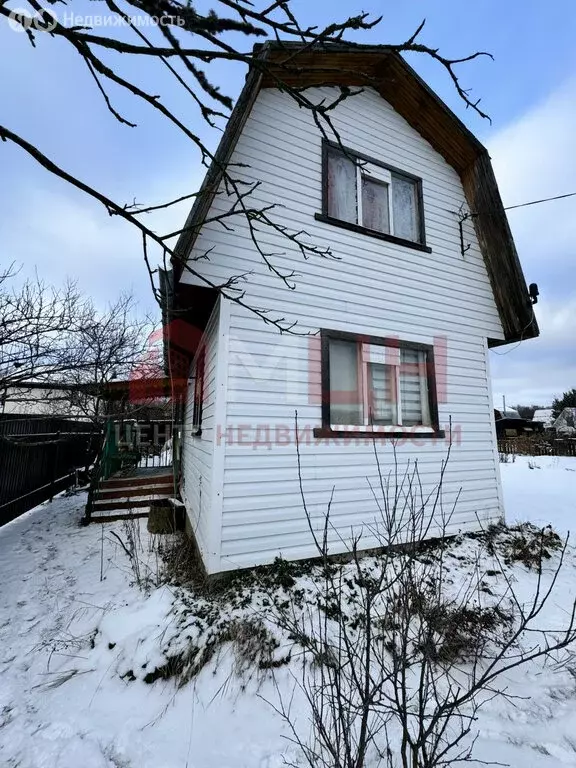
102, 469
105, 466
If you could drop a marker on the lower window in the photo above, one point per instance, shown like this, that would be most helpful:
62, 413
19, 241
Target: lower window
370, 382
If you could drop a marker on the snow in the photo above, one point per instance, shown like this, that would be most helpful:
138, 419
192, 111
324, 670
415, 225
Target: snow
77, 637
544, 415
63, 703
540, 489
163, 459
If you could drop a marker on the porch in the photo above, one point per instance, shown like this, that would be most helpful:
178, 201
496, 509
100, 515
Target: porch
136, 468
130, 494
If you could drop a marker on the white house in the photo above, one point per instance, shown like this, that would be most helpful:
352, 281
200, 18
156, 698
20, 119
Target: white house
33, 398
393, 331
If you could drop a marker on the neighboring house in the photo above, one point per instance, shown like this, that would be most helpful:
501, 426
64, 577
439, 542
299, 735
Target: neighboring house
565, 424
145, 398
544, 416
32, 398
509, 423
400, 321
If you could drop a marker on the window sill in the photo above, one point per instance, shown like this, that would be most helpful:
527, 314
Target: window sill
372, 233
373, 434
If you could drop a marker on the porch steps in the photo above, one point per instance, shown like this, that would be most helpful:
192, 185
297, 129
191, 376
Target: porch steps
125, 497
118, 516
140, 490
118, 481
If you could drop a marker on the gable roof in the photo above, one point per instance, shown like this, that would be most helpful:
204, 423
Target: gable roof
386, 71
544, 415
566, 421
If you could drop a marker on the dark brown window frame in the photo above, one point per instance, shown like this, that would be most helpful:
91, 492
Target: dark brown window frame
327, 431
199, 377
327, 219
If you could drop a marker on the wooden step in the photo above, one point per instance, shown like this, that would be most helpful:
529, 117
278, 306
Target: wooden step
119, 482
127, 503
119, 516
131, 491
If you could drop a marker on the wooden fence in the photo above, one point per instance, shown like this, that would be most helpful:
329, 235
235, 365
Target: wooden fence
537, 445
39, 457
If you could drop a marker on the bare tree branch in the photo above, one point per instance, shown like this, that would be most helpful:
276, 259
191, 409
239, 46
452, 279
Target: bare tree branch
186, 42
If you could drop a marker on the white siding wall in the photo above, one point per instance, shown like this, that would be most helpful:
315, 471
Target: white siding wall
198, 451
373, 287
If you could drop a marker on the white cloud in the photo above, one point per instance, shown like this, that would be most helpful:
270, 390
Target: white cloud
62, 233
534, 158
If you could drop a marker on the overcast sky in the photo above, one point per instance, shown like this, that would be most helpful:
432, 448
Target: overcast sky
48, 96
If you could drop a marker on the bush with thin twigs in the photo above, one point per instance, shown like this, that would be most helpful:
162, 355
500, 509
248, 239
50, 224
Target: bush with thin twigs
400, 648
143, 555
400, 657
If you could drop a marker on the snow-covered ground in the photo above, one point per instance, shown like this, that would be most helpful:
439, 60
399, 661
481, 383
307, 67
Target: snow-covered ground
77, 638
62, 702
541, 489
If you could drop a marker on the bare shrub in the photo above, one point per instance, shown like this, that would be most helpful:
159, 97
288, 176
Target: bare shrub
143, 554
400, 656
180, 560
522, 543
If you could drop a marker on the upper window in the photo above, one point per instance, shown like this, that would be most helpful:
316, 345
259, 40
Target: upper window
377, 382
368, 194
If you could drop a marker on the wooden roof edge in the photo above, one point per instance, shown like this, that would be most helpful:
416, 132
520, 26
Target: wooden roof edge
497, 245
386, 52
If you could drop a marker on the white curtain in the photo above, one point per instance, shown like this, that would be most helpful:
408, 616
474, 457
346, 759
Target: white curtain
375, 211
405, 209
383, 406
342, 202
345, 398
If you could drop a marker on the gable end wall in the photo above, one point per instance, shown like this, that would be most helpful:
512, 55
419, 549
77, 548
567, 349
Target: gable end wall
372, 287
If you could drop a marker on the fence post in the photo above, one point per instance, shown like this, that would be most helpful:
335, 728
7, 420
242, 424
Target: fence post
54, 465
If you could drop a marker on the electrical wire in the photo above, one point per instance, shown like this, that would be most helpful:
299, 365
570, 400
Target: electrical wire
537, 202
471, 214
521, 339
533, 318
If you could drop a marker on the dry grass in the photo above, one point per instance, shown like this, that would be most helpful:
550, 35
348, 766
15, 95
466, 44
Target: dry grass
252, 644
522, 543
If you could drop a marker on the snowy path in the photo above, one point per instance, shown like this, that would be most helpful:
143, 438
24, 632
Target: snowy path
63, 703
51, 602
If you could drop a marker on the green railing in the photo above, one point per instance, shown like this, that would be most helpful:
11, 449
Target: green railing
101, 462
108, 451
106, 464
116, 455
